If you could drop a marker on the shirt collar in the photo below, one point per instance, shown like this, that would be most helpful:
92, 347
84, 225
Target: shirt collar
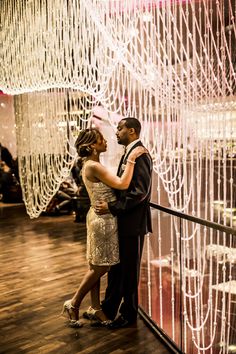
129, 147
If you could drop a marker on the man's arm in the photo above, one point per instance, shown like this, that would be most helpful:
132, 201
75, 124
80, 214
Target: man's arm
138, 190
136, 193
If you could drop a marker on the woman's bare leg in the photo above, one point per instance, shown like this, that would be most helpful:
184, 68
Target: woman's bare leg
88, 283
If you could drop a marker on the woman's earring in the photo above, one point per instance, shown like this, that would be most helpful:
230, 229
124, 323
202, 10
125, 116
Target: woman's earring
95, 152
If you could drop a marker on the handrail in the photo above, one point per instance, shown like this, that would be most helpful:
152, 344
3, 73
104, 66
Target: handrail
195, 219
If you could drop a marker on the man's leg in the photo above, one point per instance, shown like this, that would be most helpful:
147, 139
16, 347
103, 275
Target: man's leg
131, 257
113, 295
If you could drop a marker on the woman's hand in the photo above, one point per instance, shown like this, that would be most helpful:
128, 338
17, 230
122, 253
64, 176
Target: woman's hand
136, 152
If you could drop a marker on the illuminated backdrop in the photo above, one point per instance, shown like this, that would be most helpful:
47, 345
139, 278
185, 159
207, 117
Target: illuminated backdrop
171, 64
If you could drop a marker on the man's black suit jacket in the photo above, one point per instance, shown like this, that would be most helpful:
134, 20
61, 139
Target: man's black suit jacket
132, 205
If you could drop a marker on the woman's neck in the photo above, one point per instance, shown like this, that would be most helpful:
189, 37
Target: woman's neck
93, 158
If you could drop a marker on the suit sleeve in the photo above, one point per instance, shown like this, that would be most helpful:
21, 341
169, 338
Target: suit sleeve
138, 190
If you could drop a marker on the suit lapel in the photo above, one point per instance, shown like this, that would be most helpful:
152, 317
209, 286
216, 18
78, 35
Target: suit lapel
124, 159
120, 164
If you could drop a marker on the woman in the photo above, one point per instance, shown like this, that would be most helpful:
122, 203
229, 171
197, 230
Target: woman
102, 236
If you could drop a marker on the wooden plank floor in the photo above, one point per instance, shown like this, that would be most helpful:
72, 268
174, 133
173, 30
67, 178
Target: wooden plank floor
42, 262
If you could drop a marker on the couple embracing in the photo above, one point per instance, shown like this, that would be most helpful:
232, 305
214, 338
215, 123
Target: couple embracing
117, 222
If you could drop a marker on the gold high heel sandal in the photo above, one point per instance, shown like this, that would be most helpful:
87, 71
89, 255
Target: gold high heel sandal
89, 314
99, 321
72, 313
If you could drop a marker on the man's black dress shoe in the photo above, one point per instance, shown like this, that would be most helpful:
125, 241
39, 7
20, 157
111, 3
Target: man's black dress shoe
120, 322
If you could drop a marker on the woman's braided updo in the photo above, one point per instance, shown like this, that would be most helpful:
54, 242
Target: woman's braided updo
85, 139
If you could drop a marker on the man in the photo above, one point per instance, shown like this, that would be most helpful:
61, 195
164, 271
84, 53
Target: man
134, 222
6, 157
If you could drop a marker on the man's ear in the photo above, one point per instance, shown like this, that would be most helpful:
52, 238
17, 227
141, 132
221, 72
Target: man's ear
131, 131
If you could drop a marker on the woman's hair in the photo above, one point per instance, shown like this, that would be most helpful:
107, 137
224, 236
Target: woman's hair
85, 139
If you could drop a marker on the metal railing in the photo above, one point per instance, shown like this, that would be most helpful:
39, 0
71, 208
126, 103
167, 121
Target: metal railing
179, 274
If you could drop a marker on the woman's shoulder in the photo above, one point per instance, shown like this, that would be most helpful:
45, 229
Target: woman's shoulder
90, 170
90, 164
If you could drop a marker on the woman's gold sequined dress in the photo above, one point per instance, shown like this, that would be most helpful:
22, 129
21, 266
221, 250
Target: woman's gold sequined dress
102, 234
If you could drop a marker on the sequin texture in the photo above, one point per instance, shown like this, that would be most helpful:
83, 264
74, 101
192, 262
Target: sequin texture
102, 234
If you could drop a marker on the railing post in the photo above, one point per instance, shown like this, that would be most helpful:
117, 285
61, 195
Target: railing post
181, 315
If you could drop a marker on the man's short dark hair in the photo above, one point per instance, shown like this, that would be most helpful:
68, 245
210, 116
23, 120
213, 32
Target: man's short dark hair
131, 122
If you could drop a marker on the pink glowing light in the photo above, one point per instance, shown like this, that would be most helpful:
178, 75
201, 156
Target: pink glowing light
116, 6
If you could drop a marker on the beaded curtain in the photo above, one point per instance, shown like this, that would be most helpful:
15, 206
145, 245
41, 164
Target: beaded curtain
170, 63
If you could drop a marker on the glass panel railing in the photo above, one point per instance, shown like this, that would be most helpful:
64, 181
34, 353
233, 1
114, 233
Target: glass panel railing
188, 282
